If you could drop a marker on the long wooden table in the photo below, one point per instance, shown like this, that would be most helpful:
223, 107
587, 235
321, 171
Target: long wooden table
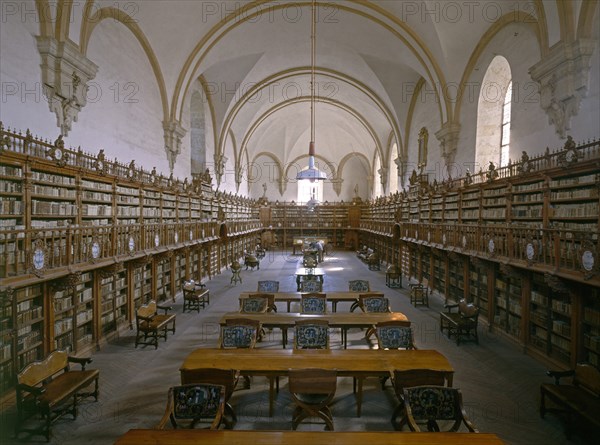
344, 321
272, 363
241, 437
295, 297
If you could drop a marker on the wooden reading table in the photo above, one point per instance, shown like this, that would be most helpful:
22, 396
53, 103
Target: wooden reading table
241, 437
342, 320
304, 272
295, 297
272, 363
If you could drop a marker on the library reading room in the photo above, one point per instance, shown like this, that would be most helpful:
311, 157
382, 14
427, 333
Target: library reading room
301, 222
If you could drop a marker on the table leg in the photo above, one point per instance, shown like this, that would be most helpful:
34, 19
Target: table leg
271, 395
298, 283
359, 396
284, 336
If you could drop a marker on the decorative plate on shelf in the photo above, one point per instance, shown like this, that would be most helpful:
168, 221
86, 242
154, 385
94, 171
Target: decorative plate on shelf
95, 250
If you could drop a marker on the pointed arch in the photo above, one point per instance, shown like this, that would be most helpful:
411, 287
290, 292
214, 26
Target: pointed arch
88, 25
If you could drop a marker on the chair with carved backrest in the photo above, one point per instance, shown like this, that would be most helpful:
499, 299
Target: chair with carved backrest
271, 307
313, 303
374, 302
254, 304
311, 284
194, 403
430, 404
268, 286
215, 376
257, 304
312, 391
358, 286
311, 334
394, 335
240, 333
408, 378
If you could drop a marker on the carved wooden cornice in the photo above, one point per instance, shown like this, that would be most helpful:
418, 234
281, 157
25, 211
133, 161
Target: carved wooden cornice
509, 271
142, 261
555, 283
111, 270
66, 283
163, 256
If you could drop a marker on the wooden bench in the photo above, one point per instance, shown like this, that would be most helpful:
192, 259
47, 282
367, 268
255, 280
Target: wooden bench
463, 323
579, 400
419, 294
195, 296
151, 325
51, 388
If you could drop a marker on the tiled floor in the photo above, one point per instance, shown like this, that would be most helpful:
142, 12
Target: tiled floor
500, 384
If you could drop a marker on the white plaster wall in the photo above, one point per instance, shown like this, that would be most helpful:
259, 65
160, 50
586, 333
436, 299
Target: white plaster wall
530, 130
426, 114
124, 113
586, 125
22, 104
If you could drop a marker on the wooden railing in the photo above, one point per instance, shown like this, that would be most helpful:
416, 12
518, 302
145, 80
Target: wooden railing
558, 249
72, 245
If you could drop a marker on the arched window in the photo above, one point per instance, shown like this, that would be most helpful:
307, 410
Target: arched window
493, 115
308, 189
505, 138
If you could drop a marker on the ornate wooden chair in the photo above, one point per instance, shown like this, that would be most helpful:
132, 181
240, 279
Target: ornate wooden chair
311, 284
271, 307
394, 335
268, 286
311, 334
373, 303
192, 404
240, 333
258, 304
358, 286
312, 391
430, 404
407, 379
313, 303
254, 304
215, 376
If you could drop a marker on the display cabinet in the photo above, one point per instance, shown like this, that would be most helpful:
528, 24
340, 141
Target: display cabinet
96, 198
53, 199
469, 207
527, 206
494, 204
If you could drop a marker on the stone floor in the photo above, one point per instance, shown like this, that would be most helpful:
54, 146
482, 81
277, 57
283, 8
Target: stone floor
500, 384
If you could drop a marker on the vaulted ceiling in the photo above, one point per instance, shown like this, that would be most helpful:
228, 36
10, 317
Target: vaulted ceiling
253, 59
